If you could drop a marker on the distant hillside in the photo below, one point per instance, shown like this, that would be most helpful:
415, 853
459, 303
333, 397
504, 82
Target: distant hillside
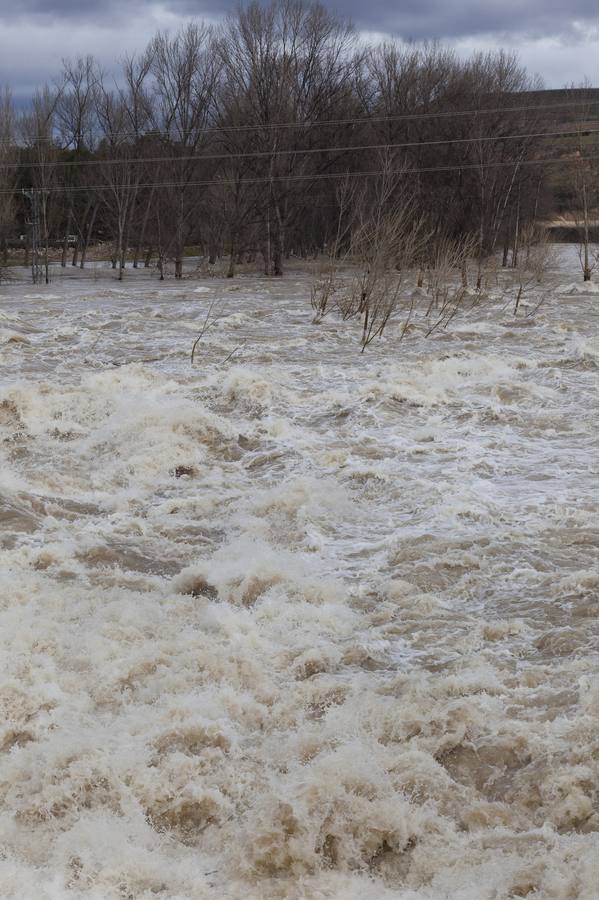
566, 105
568, 110
561, 95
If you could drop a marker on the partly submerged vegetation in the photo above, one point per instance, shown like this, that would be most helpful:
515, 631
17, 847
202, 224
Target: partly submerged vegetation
239, 140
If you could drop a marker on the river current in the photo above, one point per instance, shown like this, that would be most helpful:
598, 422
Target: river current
297, 622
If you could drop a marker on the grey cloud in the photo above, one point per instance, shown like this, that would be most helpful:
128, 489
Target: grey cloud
36, 34
410, 19
71, 10
104, 11
427, 19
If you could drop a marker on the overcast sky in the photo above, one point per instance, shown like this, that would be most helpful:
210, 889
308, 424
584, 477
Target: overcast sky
558, 40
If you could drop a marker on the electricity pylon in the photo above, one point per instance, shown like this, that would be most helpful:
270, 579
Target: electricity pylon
34, 196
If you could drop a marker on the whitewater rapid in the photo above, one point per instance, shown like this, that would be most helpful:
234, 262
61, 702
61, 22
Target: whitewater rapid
301, 622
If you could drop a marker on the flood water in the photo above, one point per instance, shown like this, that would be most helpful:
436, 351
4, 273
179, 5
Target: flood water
301, 622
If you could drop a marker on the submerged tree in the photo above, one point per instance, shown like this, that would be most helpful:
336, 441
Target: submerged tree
185, 70
8, 169
235, 141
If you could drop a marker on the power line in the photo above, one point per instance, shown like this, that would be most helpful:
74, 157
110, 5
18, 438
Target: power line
262, 154
362, 120
327, 175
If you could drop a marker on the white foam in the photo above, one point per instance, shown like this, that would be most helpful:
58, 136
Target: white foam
312, 624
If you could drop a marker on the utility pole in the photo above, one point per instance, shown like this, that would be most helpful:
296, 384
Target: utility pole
33, 196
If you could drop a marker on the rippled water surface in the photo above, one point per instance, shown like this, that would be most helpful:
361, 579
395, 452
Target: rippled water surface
300, 623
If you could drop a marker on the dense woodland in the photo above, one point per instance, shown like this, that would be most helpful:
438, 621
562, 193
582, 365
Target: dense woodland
281, 132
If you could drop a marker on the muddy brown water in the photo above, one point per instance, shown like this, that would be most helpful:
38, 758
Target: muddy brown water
304, 623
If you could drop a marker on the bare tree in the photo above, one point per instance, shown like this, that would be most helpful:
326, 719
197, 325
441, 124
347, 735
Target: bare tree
326, 285
585, 182
387, 242
290, 69
76, 127
532, 265
37, 128
8, 170
185, 71
447, 259
235, 141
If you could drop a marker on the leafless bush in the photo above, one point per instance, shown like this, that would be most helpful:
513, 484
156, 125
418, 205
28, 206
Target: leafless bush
533, 264
444, 283
325, 288
389, 239
213, 315
588, 254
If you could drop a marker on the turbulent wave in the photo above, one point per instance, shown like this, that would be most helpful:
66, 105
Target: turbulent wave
301, 624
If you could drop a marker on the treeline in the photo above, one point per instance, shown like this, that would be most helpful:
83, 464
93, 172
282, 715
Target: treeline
242, 140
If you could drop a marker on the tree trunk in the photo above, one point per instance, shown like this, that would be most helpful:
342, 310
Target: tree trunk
46, 245
265, 251
180, 237
277, 257
80, 242
587, 267
232, 256
88, 234
464, 274
65, 243
481, 237
516, 250
142, 231
278, 244
124, 248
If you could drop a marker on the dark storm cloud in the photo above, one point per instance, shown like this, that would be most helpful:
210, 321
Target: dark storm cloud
558, 40
71, 10
30, 10
410, 19
426, 19
105, 11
